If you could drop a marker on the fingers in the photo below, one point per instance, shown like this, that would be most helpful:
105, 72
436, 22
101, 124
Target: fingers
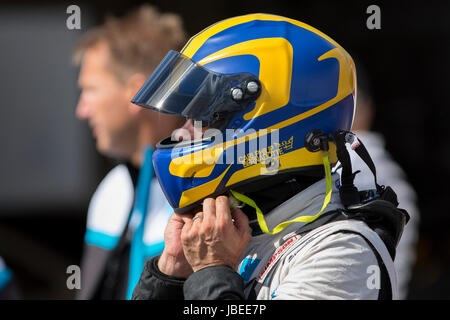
216, 215
188, 221
214, 239
223, 214
209, 210
223, 208
188, 224
206, 224
240, 221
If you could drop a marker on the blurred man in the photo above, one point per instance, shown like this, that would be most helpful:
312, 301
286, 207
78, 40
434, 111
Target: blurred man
390, 174
127, 215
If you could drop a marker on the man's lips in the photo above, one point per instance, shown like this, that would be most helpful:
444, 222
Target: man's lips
94, 129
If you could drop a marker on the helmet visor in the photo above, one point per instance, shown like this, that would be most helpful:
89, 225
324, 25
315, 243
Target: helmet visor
181, 86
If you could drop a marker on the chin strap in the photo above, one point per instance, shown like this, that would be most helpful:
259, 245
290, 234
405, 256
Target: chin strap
260, 216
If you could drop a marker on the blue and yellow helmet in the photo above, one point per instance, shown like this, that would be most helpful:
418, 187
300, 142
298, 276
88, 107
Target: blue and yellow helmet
263, 82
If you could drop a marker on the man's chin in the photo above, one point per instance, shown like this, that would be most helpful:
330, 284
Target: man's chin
111, 148
105, 149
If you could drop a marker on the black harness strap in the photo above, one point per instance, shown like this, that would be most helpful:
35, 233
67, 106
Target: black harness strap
348, 192
385, 292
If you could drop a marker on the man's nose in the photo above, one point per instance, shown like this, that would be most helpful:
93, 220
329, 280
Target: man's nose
185, 133
82, 111
191, 130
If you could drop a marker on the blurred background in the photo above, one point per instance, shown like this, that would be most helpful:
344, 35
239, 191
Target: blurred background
49, 167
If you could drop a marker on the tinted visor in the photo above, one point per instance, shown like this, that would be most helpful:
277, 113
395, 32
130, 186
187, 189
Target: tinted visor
181, 86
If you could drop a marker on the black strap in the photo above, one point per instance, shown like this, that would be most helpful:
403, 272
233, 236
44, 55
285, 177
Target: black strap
361, 150
385, 292
327, 217
389, 230
348, 192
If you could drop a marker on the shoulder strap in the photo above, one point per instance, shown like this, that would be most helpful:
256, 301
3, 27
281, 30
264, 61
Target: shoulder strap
384, 218
380, 215
339, 215
385, 292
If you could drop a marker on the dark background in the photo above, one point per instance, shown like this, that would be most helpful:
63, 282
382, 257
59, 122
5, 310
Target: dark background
49, 166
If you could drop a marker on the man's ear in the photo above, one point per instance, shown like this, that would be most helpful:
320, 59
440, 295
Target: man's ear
134, 84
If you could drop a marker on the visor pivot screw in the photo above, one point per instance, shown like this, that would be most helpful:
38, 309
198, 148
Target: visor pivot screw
252, 87
237, 94
316, 142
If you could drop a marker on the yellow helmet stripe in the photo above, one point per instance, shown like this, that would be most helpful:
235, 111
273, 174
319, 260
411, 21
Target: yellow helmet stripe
200, 38
191, 195
274, 73
297, 158
346, 85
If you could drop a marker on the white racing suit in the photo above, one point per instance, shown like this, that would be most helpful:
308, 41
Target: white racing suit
336, 260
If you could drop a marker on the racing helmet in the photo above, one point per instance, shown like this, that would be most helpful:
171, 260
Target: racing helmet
264, 85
